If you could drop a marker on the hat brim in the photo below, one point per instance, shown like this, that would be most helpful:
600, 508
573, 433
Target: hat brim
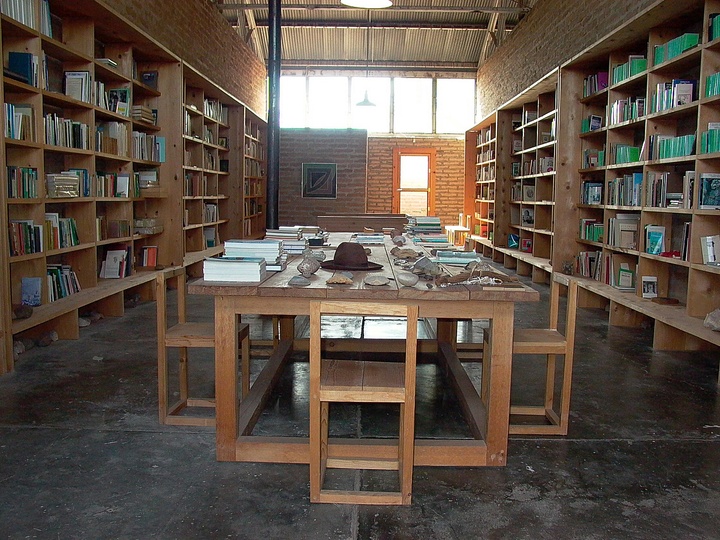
368, 267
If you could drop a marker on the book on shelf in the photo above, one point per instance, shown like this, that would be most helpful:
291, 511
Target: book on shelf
621, 274
62, 281
654, 239
78, 85
709, 191
148, 256
20, 121
710, 248
119, 101
115, 264
685, 247
149, 78
649, 286
623, 231
107, 62
31, 291
25, 66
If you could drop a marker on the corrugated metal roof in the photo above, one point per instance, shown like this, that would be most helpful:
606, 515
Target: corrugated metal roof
413, 34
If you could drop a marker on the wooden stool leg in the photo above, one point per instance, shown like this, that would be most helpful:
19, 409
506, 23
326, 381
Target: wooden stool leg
183, 374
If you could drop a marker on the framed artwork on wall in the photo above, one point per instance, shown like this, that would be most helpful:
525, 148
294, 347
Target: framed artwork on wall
319, 180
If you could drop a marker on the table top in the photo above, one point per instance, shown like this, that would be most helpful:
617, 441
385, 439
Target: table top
276, 284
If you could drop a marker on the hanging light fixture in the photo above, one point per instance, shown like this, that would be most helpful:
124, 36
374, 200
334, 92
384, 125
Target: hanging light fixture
367, 4
366, 100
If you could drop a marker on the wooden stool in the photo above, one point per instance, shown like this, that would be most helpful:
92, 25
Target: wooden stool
183, 336
551, 343
351, 381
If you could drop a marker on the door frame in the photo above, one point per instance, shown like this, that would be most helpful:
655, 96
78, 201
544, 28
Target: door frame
414, 151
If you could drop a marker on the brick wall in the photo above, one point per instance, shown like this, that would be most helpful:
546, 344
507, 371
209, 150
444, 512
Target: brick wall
195, 31
345, 147
552, 33
449, 174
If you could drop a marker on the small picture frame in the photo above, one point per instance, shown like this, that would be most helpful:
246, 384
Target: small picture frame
526, 245
649, 287
319, 180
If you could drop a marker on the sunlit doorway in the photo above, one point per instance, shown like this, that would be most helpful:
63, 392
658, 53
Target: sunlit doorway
414, 181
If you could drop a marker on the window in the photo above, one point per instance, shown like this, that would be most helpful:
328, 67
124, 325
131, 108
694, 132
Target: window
401, 105
455, 109
292, 102
328, 102
375, 119
413, 105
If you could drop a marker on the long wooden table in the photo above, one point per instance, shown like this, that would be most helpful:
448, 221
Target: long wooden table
486, 412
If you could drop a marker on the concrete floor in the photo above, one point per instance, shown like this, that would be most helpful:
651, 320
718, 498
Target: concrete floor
82, 454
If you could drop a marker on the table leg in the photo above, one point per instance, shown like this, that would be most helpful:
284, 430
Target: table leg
226, 383
498, 382
447, 331
287, 327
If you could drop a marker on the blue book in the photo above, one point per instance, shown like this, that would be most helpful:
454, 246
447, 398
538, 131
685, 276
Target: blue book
23, 64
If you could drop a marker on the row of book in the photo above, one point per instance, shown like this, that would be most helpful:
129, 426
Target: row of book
55, 232
112, 138
19, 122
62, 281
148, 147
625, 109
712, 84
636, 63
625, 190
624, 153
591, 230
673, 94
66, 132
675, 47
590, 123
592, 84
668, 146
22, 182
216, 110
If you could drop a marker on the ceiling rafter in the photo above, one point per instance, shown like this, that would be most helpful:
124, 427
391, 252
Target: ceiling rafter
417, 9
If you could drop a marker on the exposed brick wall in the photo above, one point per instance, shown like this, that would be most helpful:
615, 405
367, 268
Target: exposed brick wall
345, 147
552, 33
195, 31
449, 174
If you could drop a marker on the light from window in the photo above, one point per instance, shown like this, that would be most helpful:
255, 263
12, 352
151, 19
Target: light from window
375, 119
455, 105
413, 105
328, 102
292, 102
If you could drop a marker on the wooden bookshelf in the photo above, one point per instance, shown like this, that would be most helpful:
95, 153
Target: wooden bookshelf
511, 180
116, 91
621, 154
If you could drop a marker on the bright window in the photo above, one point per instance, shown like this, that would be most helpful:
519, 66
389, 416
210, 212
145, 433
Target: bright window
376, 119
293, 100
413, 105
455, 105
328, 102
400, 105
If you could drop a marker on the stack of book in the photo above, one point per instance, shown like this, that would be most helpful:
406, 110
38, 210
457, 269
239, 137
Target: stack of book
370, 238
234, 269
142, 113
269, 250
423, 224
294, 247
455, 258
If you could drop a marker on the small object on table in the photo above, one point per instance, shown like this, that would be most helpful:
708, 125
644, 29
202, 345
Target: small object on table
299, 281
376, 280
407, 279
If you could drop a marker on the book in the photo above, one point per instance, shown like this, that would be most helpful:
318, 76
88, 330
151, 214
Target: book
113, 266
654, 239
710, 247
709, 198
649, 287
149, 78
24, 64
31, 291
